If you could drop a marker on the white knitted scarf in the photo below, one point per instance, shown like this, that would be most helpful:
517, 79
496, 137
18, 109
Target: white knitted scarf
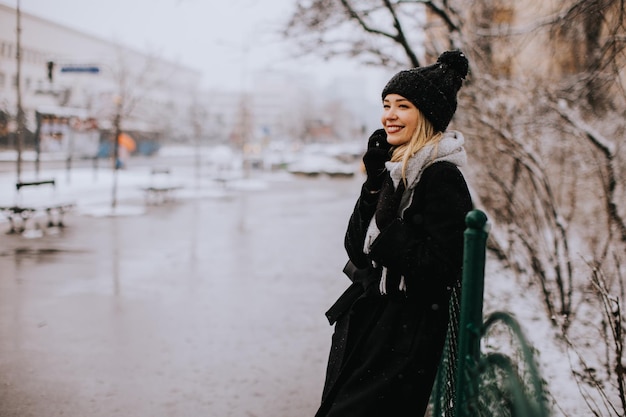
450, 149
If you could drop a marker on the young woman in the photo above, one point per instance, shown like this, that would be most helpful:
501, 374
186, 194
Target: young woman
405, 244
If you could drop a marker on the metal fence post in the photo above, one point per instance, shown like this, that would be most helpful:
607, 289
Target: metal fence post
471, 311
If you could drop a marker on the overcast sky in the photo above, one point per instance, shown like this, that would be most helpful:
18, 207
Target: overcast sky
213, 36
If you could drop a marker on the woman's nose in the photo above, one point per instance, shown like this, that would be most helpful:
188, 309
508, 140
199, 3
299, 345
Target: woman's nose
390, 114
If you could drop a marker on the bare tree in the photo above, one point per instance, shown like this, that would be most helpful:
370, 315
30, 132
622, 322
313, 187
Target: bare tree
131, 87
378, 32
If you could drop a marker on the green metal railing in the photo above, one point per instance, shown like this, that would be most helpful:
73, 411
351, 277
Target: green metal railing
475, 382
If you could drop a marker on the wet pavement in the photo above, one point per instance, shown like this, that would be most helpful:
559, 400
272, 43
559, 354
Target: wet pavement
201, 307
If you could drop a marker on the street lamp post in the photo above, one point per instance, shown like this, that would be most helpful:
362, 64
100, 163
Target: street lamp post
18, 81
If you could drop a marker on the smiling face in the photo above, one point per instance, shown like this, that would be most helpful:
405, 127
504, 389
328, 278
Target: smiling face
399, 119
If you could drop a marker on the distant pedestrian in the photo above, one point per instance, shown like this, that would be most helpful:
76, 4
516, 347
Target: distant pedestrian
405, 243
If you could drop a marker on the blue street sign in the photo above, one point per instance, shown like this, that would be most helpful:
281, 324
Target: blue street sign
81, 68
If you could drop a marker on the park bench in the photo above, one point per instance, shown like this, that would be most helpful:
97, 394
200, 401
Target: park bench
160, 189
27, 206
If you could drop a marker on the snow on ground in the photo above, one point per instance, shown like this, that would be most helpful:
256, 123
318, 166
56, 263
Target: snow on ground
93, 188
503, 292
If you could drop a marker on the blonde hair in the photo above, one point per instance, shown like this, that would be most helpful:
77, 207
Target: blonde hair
423, 135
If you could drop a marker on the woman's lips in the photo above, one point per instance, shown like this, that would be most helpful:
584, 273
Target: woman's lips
394, 129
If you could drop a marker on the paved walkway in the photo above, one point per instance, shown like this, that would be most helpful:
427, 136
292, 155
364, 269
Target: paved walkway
210, 307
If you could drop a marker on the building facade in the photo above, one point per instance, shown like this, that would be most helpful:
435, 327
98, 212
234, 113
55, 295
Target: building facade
70, 80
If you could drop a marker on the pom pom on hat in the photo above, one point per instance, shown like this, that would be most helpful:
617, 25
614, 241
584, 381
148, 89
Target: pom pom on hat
432, 89
455, 61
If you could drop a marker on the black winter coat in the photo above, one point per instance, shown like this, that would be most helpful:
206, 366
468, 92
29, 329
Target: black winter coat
386, 348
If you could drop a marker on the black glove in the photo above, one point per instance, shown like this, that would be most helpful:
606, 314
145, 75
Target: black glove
388, 203
378, 152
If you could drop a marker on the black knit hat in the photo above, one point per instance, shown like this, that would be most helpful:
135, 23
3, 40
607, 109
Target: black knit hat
433, 88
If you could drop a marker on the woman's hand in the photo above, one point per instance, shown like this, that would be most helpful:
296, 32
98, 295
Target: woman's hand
378, 152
